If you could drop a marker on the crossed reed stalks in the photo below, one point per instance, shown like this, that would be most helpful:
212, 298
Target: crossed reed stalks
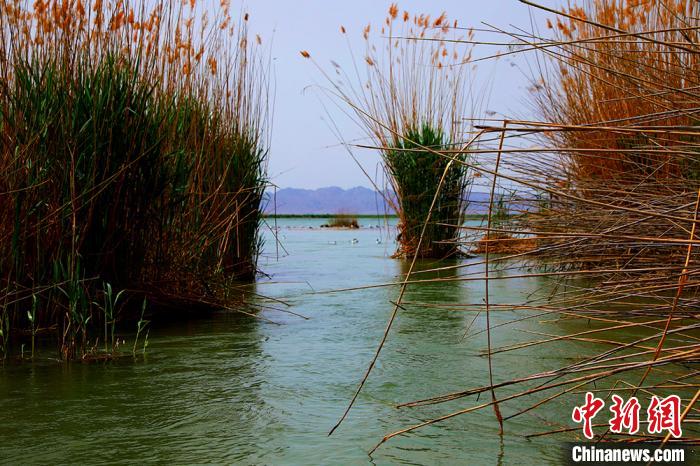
605, 186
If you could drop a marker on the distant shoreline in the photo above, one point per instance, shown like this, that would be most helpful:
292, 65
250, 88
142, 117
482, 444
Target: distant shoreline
468, 216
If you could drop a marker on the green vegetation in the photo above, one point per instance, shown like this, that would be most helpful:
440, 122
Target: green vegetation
125, 164
417, 174
413, 104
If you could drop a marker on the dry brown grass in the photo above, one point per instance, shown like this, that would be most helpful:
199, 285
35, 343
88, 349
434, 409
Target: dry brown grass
504, 243
640, 69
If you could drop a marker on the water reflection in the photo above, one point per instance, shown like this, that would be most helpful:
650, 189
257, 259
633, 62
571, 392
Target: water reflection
178, 403
429, 301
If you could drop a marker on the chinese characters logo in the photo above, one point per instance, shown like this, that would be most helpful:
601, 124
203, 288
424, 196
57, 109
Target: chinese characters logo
662, 414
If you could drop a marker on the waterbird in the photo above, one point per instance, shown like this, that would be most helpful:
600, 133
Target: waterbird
379, 241
332, 242
354, 241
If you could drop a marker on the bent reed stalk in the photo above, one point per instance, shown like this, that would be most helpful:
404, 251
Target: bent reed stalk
133, 147
412, 97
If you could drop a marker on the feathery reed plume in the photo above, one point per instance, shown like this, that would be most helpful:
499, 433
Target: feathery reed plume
645, 74
413, 96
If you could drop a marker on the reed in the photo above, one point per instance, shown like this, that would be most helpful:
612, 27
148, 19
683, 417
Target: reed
132, 155
619, 106
608, 193
343, 221
638, 70
412, 96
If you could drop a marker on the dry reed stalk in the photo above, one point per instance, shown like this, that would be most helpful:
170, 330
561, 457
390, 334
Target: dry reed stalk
410, 96
606, 184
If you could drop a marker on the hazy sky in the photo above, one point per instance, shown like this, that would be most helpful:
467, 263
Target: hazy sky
305, 153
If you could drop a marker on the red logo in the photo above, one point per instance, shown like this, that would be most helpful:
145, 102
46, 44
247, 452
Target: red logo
662, 415
665, 415
587, 412
624, 415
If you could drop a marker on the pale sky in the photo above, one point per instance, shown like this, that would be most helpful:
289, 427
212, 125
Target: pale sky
305, 153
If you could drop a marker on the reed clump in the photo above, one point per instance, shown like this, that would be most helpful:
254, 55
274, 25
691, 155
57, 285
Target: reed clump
421, 177
626, 64
343, 221
620, 114
411, 102
132, 156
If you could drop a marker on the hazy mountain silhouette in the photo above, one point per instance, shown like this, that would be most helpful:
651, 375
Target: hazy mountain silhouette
332, 200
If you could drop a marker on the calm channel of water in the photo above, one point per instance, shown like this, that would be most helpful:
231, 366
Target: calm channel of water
234, 389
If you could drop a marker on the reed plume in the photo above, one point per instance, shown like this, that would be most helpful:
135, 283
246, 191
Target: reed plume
412, 96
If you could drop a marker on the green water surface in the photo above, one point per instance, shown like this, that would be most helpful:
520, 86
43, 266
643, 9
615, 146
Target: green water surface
239, 390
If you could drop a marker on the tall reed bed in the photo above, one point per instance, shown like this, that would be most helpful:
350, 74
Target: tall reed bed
410, 101
132, 157
620, 109
610, 197
623, 63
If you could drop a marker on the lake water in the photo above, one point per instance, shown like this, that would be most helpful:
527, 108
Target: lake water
236, 389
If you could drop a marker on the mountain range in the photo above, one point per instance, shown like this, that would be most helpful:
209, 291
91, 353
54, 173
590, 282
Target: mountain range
334, 200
